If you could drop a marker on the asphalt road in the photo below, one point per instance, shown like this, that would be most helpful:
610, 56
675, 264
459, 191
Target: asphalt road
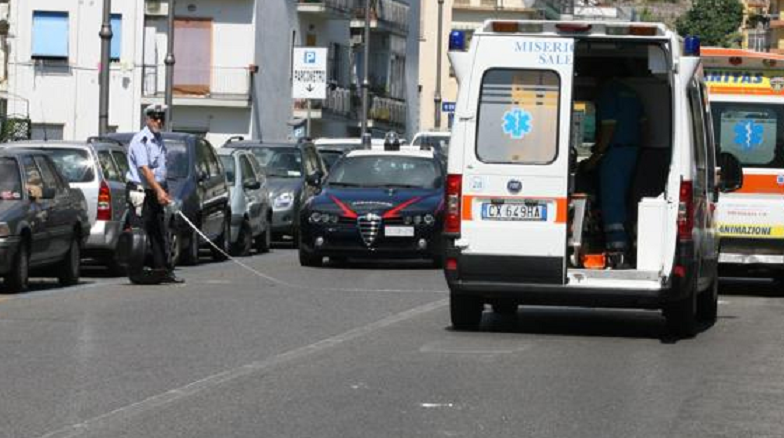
367, 351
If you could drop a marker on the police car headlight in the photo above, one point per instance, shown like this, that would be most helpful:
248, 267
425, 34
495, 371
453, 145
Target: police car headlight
429, 219
417, 220
5, 230
408, 220
315, 217
283, 201
333, 218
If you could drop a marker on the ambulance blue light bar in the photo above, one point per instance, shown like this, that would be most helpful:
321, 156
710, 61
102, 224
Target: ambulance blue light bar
456, 41
691, 46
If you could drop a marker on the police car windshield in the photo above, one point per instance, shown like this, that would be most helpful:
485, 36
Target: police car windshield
177, 161
330, 157
75, 164
386, 171
279, 162
752, 132
228, 166
10, 183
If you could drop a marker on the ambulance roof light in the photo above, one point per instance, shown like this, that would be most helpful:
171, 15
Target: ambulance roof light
573, 27
456, 41
691, 46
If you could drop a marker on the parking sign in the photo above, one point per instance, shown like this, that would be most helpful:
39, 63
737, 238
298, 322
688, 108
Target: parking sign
309, 73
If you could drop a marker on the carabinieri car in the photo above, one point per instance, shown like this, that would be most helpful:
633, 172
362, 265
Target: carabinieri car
376, 203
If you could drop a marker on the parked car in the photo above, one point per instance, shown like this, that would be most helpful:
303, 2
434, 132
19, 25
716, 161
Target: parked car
198, 188
436, 140
251, 212
332, 149
288, 166
96, 167
43, 222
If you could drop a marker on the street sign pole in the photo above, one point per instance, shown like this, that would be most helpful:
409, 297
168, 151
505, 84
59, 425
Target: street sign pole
309, 79
169, 61
308, 132
365, 81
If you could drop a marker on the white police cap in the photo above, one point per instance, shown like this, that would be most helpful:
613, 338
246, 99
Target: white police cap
156, 108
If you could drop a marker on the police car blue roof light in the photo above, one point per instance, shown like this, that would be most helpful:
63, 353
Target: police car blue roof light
456, 41
691, 46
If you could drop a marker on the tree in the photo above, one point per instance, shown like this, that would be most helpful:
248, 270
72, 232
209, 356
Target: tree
716, 22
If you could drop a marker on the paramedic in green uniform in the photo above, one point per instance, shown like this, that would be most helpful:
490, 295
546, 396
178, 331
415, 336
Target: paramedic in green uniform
620, 117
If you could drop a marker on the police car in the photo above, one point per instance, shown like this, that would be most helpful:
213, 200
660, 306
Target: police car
376, 203
521, 229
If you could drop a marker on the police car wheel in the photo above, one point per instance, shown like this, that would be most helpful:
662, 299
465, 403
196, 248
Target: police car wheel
69, 269
17, 279
309, 258
708, 303
465, 312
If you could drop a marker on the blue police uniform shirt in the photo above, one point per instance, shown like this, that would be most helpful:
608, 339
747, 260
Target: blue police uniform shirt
146, 149
620, 105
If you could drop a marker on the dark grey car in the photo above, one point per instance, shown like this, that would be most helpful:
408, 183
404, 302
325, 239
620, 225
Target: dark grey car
289, 167
43, 222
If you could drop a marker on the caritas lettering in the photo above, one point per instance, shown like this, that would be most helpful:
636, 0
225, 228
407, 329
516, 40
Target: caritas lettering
549, 52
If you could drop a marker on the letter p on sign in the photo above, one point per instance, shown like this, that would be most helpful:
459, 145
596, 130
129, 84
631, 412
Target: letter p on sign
310, 57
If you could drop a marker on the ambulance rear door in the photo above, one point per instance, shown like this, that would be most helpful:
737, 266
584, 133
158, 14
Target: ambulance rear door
515, 177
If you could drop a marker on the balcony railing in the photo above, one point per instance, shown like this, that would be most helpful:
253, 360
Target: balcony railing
389, 111
391, 13
758, 40
339, 101
231, 83
490, 4
335, 6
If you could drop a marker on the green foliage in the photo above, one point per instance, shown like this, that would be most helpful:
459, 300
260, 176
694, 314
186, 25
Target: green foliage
715, 21
648, 16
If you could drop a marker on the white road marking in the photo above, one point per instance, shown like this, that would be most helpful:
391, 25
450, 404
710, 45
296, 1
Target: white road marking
436, 405
218, 379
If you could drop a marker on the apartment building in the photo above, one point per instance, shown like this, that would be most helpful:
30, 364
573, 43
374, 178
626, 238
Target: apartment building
338, 25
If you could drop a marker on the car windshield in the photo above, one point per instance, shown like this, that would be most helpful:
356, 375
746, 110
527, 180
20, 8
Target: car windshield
279, 162
75, 164
386, 171
330, 157
228, 166
752, 132
177, 161
10, 183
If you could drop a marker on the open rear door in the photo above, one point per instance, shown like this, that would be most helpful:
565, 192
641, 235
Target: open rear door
515, 180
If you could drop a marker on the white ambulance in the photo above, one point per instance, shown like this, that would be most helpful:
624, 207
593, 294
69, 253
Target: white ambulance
747, 99
522, 224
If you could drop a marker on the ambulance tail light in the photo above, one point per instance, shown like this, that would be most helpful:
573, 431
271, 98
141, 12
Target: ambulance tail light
104, 203
454, 191
573, 27
643, 30
505, 26
686, 211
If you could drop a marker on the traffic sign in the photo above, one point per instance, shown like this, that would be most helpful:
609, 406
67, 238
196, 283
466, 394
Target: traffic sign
309, 73
448, 107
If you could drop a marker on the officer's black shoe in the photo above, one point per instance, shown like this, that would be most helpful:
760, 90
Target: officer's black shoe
169, 277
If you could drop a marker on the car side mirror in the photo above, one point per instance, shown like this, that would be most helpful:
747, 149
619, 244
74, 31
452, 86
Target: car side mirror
314, 179
202, 176
252, 185
731, 173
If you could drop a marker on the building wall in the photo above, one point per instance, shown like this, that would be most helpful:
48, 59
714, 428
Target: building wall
67, 95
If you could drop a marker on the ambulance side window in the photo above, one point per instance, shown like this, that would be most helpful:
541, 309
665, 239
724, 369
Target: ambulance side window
698, 124
518, 117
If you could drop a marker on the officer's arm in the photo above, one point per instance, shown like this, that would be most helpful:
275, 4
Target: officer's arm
150, 178
138, 153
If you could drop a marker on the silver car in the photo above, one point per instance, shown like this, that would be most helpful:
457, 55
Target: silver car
97, 167
251, 213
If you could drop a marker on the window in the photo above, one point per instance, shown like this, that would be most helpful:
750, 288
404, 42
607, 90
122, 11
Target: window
108, 167
35, 185
116, 22
216, 170
202, 159
50, 180
229, 168
518, 117
50, 35
754, 133
698, 124
75, 164
193, 52
47, 131
10, 184
122, 162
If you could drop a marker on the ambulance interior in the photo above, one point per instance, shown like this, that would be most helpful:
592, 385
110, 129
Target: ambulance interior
643, 67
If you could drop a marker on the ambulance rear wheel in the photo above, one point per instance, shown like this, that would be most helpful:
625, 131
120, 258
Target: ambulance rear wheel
681, 316
708, 303
465, 312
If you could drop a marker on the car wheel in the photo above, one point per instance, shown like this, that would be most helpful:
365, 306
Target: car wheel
224, 240
175, 246
189, 254
295, 237
505, 308
264, 241
69, 269
465, 312
244, 241
309, 258
681, 316
115, 268
708, 303
17, 279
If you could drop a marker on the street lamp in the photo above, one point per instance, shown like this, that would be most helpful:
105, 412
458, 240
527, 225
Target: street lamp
103, 81
169, 61
365, 81
439, 42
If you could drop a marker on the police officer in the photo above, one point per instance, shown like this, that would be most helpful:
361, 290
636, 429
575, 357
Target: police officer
621, 119
147, 189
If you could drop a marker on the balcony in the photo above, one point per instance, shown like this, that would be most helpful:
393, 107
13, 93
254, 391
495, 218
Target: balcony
758, 40
328, 8
301, 108
386, 111
340, 102
385, 15
491, 5
213, 87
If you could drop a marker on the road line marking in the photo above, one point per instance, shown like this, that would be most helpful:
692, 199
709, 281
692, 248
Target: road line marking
223, 377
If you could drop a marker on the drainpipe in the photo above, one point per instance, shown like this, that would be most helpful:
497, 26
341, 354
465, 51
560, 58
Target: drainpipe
169, 61
437, 97
106, 46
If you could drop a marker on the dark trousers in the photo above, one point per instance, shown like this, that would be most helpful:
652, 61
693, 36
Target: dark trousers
153, 222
